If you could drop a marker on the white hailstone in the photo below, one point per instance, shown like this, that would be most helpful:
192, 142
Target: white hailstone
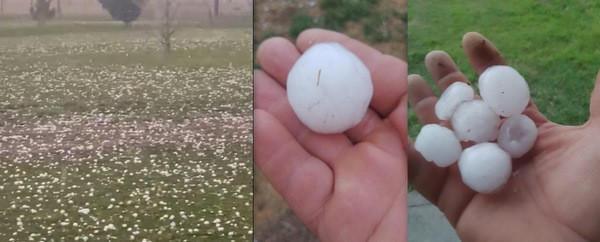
329, 88
517, 135
109, 227
454, 95
84, 211
504, 90
485, 167
475, 121
438, 144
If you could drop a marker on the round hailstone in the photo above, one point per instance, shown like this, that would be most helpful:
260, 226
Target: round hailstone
475, 121
329, 88
484, 167
517, 135
454, 95
504, 90
438, 144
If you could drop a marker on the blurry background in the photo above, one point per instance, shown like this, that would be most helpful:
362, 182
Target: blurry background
379, 23
125, 120
194, 10
553, 44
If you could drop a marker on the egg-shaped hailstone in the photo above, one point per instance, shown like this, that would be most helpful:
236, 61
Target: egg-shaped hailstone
329, 88
485, 167
475, 121
453, 96
438, 144
504, 90
517, 135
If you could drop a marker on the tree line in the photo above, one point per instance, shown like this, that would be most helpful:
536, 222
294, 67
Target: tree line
125, 11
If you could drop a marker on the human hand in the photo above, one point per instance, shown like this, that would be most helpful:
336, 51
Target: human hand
553, 193
344, 187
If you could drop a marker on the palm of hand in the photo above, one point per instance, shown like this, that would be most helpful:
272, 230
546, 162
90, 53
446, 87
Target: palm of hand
552, 187
345, 187
548, 195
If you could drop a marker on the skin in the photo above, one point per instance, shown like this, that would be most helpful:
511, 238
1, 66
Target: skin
553, 194
345, 187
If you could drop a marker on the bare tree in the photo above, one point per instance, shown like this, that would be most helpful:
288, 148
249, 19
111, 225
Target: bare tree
41, 11
58, 8
216, 7
210, 13
168, 25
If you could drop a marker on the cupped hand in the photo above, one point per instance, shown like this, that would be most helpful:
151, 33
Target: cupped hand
345, 187
554, 192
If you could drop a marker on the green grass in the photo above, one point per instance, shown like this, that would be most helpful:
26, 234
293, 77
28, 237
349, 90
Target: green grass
553, 44
176, 164
337, 14
159, 195
126, 72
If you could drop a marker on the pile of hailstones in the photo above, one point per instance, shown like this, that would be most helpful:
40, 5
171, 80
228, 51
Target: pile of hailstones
486, 166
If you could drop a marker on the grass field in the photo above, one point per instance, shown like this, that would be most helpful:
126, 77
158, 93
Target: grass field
552, 43
103, 137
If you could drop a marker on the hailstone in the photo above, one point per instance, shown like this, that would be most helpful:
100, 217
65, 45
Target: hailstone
517, 135
454, 95
485, 167
475, 121
329, 88
438, 144
504, 90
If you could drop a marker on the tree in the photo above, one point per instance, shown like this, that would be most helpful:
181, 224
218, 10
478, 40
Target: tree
167, 28
126, 11
216, 7
58, 8
41, 11
210, 13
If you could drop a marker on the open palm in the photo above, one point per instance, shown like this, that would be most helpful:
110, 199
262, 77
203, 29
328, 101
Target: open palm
345, 187
553, 194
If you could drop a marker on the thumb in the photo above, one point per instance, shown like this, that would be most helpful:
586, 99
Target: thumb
595, 99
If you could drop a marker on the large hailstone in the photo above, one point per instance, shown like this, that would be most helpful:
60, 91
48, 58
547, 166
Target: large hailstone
475, 121
329, 88
485, 167
517, 135
454, 95
438, 144
504, 90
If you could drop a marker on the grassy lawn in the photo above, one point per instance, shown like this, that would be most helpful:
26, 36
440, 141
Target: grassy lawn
106, 138
553, 44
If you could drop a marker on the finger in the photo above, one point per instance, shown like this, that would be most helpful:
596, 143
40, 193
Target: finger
399, 119
481, 52
534, 114
276, 57
271, 97
425, 176
387, 73
369, 122
441, 186
595, 99
443, 70
422, 99
303, 180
